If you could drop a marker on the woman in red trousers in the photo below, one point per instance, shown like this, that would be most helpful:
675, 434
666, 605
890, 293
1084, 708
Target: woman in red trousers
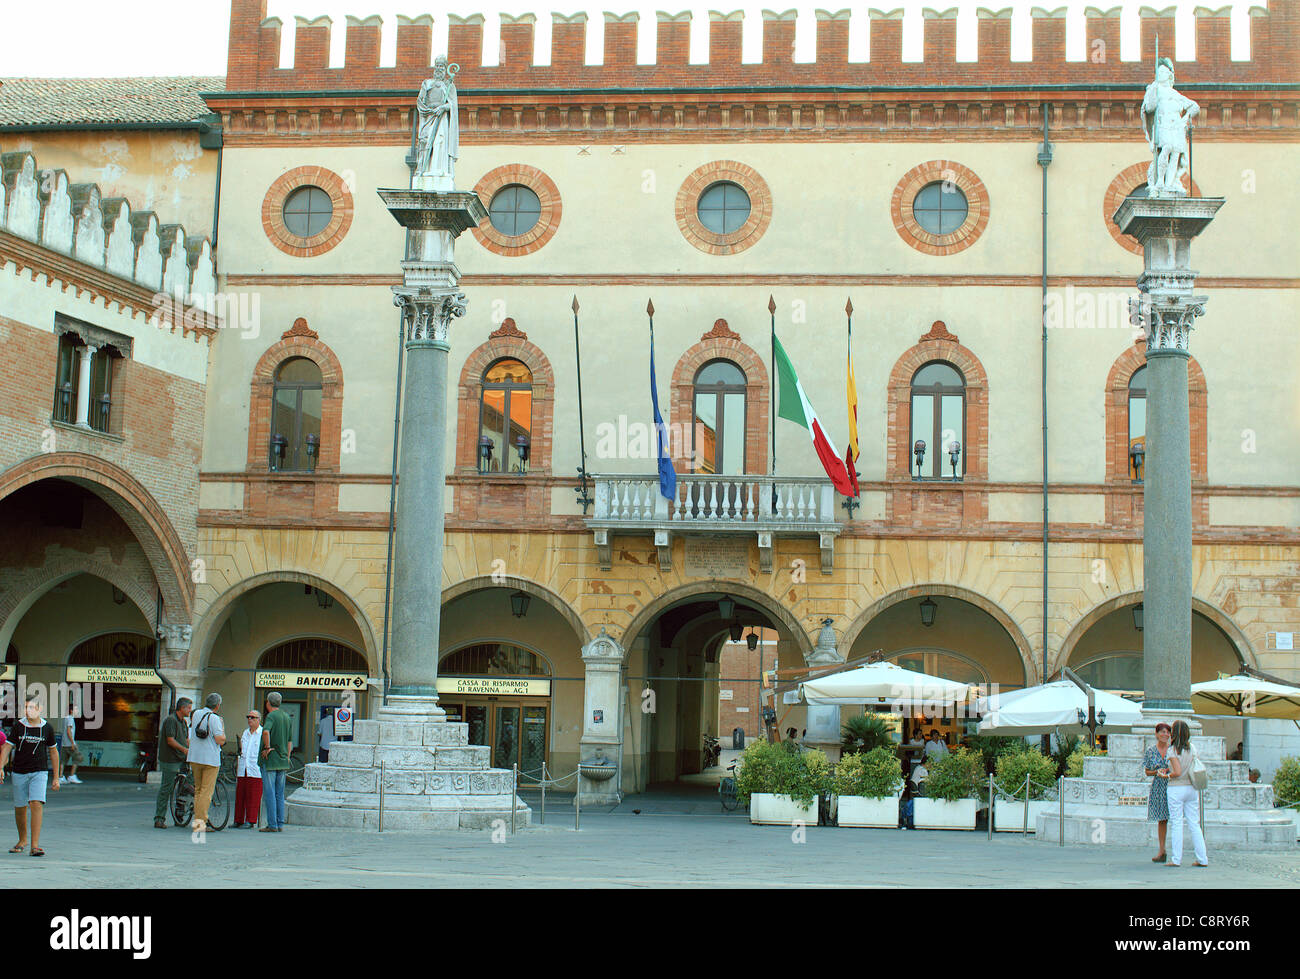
248, 784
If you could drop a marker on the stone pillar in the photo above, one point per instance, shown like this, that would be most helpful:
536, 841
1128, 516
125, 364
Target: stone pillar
83, 387
1166, 309
173, 654
602, 739
823, 720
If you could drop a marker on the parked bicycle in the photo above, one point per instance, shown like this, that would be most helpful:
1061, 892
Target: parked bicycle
712, 751
182, 797
727, 789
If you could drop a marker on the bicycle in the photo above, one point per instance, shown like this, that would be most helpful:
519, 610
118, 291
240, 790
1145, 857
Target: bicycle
182, 797
727, 794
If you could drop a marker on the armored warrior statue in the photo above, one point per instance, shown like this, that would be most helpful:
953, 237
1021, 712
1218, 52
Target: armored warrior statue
439, 129
1166, 117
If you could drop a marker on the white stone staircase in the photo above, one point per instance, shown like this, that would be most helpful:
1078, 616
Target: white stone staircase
433, 779
1109, 803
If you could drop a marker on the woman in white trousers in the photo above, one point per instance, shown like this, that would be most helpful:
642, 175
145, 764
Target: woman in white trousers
1184, 800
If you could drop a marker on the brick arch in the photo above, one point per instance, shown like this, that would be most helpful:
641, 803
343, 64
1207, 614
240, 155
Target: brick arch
299, 341
507, 341
137, 507
938, 344
539, 591
1117, 381
717, 345
1125, 182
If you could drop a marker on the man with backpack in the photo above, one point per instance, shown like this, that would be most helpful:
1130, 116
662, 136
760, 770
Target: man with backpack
207, 735
173, 746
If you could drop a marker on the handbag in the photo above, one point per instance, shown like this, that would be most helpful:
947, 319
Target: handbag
1200, 777
202, 729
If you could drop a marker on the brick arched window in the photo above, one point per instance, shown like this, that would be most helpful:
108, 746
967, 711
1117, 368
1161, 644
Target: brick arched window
505, 345
722, 345
938, 347
1120, 425
277, 373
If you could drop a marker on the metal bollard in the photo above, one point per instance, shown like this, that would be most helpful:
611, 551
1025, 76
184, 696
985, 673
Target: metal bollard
1024, 833
1060, 794
543, 793
990, 816
381, 796
577, 802
514, 795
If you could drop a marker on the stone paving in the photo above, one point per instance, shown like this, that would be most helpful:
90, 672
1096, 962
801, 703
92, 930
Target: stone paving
100, 834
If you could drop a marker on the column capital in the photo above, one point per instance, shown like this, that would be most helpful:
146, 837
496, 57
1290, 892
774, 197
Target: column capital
1165, 315
427, 316
603, 650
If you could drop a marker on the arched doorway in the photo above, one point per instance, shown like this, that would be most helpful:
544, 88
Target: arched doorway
315, 676
119, 667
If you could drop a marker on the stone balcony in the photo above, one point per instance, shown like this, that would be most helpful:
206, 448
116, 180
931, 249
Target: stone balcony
760, 506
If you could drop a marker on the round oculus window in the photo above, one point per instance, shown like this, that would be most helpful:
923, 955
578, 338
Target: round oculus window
307, 211
940, 209
723, 207
515, 210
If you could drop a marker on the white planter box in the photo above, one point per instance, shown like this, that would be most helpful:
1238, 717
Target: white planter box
858, 810
780, 810
1009, 817
938, 814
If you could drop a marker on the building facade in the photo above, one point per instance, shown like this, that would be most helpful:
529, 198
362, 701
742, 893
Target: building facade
739, 199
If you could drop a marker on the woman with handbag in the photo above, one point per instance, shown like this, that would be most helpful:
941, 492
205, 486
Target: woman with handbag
1187, 775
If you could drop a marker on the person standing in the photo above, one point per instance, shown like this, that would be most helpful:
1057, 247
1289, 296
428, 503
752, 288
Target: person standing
277, 746
35, 752
1184, 800
325, 732
207, 736
935, 748
173, 747
70, 754
248, 774
1157, 766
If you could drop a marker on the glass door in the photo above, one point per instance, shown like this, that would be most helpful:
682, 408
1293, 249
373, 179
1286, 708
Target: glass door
532, 750
505, 741
476, 715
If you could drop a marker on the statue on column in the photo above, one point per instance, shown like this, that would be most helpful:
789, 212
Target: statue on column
438, 145
1166, 117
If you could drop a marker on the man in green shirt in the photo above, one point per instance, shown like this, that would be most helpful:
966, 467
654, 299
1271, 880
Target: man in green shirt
277, 746
173, 745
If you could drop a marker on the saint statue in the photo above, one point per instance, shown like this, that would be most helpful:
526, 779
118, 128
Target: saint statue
438, 145
1166, 117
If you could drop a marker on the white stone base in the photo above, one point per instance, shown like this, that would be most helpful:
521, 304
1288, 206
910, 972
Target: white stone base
1009, 817
941, 814
780, 810
858, 810
431, 777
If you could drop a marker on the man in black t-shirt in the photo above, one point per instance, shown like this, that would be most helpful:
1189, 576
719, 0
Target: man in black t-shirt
32, 746
173, 744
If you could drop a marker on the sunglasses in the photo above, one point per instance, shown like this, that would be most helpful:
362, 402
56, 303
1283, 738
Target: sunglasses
252, 717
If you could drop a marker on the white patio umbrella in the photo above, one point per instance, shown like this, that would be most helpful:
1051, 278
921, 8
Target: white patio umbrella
883, 683
1247, 696
1054, 706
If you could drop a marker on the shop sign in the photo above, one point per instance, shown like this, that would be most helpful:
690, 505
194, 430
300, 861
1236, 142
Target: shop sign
9, 672
725, 694
141, 676
494, 686
267, 679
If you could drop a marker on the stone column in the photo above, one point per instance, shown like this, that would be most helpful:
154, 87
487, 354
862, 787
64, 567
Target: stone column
823, 720
602, 739
83, 386
1166, 309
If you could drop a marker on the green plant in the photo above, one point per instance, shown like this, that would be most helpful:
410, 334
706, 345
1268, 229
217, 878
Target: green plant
1013, 768
956, 775
767, 767
1065, 747
874, 774
991, 747
1074, 764
865, 732
1286, 783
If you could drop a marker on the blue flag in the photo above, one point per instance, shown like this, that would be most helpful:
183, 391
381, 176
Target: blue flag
667, 474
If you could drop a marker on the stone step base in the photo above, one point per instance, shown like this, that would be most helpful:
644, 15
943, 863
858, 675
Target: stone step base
1217, 796
1127, 826
355, 810
350, 754
1135, 746
409, 733
407, 781
1131, 769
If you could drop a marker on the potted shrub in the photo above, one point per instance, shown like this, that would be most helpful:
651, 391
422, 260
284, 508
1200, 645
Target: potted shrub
951, 791
1011, 772
1074, 764
781, 786
1286, 788
991, 747
868, 786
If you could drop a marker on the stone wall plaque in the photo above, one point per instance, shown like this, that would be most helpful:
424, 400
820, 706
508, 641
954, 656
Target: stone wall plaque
717, 557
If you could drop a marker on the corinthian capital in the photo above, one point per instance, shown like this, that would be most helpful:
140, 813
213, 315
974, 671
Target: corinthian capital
426, 317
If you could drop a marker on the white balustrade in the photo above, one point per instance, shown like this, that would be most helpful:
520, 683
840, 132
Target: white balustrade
716, 500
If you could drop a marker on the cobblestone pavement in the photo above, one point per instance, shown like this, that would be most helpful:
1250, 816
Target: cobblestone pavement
101, 834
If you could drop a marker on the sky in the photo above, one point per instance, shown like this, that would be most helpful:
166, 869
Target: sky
164, 37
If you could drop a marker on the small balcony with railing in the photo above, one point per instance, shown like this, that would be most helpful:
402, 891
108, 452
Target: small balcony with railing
765, 507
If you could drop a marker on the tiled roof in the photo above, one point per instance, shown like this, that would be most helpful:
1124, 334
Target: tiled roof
120, 101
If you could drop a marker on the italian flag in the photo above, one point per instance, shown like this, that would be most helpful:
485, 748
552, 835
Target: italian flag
794, 406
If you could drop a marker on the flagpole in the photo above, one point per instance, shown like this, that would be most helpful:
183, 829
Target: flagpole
771, 408
850, 503
584, 498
